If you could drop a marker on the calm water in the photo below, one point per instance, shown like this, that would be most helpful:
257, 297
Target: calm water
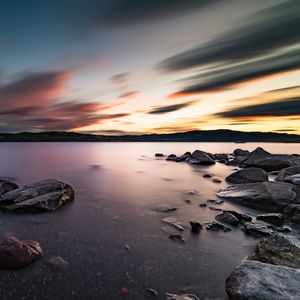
114, 206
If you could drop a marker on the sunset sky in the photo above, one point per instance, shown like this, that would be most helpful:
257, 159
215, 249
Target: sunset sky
155, 66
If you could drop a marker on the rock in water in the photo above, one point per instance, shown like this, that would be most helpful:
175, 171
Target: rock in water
247, 176
287, 172
46, 195
278, 249
182, 297
227, 218
199, 157
272, 218
240, 152
241, 217
267, 196
196, 226
7, 186
254, 280
16, 254
258, 228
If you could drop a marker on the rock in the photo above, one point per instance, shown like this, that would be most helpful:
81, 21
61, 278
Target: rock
287, 172
254, 280
272, 218
174, 223
207, 176
295, 179
7, 186
216, 226
177, 238
258, 228
215, 201
191, 192
248, 175
185, 156
267, 196
165, 209
241, 217
216, 180
292, 213
240, 152
201, 158
215, 208
46, 195
159, 155
58, 263
222, 156
171, 157
278, 249
16, 254
151, 292
227, 218
202, 204
196, 226
181, 297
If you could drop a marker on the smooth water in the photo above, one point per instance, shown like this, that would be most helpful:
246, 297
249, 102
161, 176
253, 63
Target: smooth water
118, 186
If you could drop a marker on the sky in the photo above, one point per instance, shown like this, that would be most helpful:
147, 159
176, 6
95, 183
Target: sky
140, 66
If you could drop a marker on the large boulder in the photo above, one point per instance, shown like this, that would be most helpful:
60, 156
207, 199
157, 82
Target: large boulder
253, 280
7, 186
287, 172
266, 196
46, 195
16, 254
292, 213
199, 157
247, 175
278, 249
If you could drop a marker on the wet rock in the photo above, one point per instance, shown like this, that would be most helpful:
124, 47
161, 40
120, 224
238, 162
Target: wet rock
159, 155
177, 238
253, 280
171, 157
222, 156
216, 226
216, 180
258, 228
241, 217
202, 204
46, 195
267, 196
174, 223
215, 201
16, 254
240, 152
201, 158
227, 218
151, 292
278, 249
58, 263
207, 176
287, 172
196, 226
272, 218
7, 186
185, 156
165, 209
292, 213
247, 176
295, 179
181, 297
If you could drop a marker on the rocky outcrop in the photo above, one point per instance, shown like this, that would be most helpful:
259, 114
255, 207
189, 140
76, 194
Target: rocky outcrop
254, 280
248, 175
278, 249
292, 213
199, 157
16, 254
267, 196
271, 218
287, 172
46, 195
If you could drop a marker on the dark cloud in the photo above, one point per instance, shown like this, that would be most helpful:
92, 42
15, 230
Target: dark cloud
159, 110
288, 107
120, 78
265, 32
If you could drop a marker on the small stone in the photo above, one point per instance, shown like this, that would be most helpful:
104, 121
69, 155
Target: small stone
196, 226
207, 176
216, 180
159, 155
151, 292
58, 263
202, 204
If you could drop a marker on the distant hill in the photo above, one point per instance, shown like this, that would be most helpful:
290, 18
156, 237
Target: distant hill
190, 136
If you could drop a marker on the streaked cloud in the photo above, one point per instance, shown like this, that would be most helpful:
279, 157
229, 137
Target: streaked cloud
158, 110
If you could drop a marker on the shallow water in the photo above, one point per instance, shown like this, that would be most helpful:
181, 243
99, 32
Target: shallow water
118, 186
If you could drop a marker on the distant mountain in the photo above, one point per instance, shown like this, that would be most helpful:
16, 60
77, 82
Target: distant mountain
190, 136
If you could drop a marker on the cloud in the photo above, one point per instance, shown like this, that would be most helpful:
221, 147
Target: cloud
265, 32
33, 89
159, 110
288, 107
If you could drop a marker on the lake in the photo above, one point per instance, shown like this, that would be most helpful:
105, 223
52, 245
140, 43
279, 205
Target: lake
110, 235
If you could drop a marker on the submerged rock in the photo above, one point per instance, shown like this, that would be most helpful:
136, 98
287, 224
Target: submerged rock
46, 195
272, 218
248, 175
227, 218
199, 157
16, 254
267, 196
258, 228
253, 280
278, 249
